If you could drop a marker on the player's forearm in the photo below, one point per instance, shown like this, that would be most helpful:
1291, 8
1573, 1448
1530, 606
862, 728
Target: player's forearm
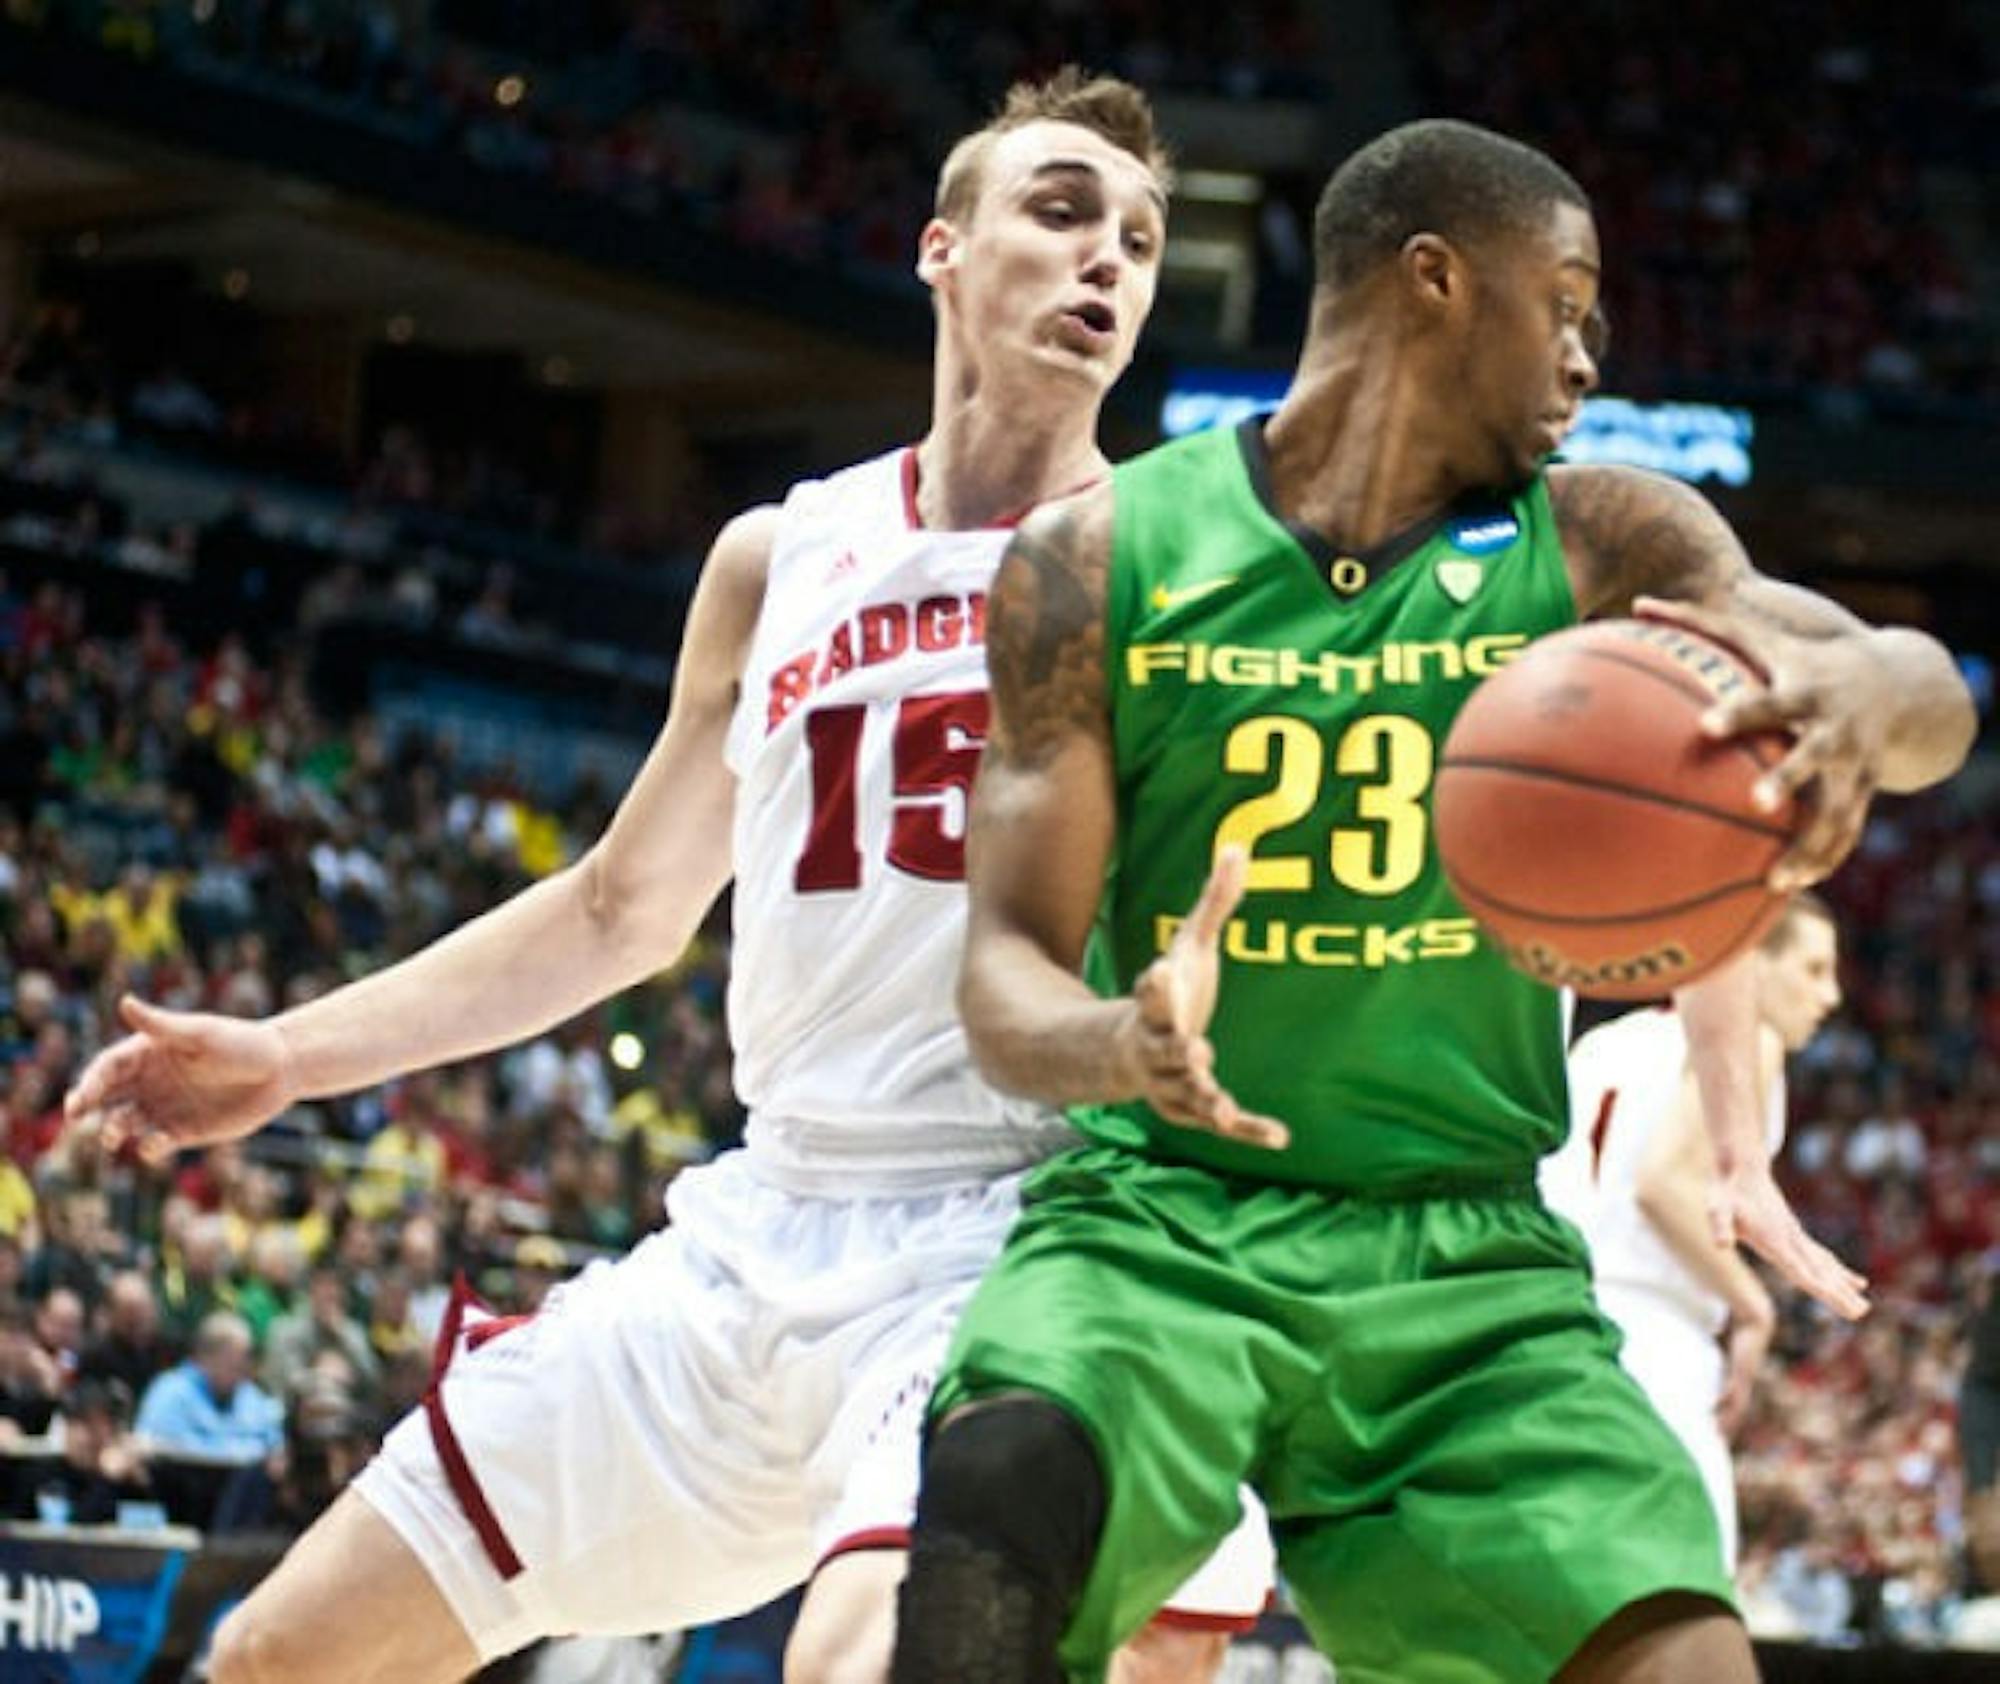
1676, 1208
1038, 1030
1720, 1013
529, 964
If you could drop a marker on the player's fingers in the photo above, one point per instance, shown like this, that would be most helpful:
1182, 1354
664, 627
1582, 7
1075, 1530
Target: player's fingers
1721, 1223
1154, 994
1254, 1129
1727, 629
1219, 896
106, 1075
1758, 709
1835, 817
1233, 1122
157, 1148
142, 1017
119, 1121
1815, 1270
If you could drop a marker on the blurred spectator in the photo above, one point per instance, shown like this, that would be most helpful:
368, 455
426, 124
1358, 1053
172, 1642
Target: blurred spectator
1979, 1425
195, 1283
405, 1160
271, 1286
59, 1326
81, 1247
129, 1348
31, 1381
209, 1404
95, 1467
393, 1333
420, 1253
320, 1324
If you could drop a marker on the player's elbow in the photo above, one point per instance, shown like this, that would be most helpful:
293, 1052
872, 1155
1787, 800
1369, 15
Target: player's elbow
977, 1007
619, 915
1943, 719
1654, 1195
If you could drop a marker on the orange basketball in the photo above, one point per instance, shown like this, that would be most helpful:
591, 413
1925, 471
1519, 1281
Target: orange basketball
1584, 819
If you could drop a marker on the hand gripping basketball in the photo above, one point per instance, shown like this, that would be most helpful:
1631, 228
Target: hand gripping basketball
1828, 694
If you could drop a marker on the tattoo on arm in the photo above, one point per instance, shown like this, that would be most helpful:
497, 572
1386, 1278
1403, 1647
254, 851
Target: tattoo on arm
1628, 534
1045, 636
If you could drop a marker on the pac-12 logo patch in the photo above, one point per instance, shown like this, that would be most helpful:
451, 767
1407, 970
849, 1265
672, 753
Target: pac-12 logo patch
1459, 579
1483, 534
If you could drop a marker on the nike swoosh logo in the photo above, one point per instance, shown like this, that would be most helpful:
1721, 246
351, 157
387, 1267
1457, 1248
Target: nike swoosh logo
1164, 598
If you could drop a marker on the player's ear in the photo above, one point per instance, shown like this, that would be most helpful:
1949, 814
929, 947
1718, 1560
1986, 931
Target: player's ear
938, 248
1431, 271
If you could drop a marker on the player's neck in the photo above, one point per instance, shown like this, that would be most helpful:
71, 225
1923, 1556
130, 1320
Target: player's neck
988, 460
1359, 450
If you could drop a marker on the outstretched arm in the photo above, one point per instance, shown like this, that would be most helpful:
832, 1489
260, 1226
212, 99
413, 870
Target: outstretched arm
1044, 818
611, 919
1872, 707
1675, 1175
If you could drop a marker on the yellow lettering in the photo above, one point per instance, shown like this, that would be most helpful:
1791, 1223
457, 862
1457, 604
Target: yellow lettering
1236, 943
1449, 938
1237, 665
1142, 660
1164, 926
1323, 944
1332, 673
1382, 946
1403, 663
1485, 655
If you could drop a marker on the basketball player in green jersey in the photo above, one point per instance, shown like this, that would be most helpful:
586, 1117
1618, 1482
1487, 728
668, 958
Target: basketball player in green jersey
1303, 1248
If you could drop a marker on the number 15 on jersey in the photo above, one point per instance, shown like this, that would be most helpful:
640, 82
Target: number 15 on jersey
934, 756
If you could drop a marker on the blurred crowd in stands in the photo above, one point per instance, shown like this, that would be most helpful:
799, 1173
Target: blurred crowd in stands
398, 538
183, 823
1761, 177
1765, 177
1854, 1502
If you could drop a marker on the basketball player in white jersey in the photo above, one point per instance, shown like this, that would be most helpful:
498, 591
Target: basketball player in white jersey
735, 1407
1635, 1176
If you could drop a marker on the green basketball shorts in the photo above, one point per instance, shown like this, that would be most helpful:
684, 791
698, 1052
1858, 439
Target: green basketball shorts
1463, 1483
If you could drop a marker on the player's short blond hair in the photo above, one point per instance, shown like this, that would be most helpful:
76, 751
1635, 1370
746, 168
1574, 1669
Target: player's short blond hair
1803, 905
1105, 105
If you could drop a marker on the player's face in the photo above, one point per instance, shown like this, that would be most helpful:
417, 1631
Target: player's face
1059, 261
1531, 357
1799, 984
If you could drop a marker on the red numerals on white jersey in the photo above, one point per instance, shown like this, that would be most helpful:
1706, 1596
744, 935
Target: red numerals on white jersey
935, 751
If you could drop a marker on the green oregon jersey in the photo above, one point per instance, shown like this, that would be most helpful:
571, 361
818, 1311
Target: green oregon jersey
1268, 693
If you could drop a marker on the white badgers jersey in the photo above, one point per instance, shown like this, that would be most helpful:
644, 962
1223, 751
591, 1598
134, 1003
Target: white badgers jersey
856, 737
1624, 1079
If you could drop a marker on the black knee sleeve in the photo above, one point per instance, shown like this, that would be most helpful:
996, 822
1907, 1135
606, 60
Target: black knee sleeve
1007, 1524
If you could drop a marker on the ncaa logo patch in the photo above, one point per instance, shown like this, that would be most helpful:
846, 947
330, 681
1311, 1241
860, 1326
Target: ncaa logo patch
1483, 534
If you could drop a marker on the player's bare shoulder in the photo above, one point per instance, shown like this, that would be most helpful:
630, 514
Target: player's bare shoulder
727, 600
1627, 532
1045, 630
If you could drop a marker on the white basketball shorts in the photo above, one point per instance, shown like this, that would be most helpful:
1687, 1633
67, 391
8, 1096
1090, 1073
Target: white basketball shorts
1680, 1367
683, 1434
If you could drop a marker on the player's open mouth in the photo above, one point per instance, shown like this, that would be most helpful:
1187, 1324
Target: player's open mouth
1094, 325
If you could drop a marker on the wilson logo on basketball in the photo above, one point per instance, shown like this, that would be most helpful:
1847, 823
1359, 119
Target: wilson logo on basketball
1715, 666
1662, 965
